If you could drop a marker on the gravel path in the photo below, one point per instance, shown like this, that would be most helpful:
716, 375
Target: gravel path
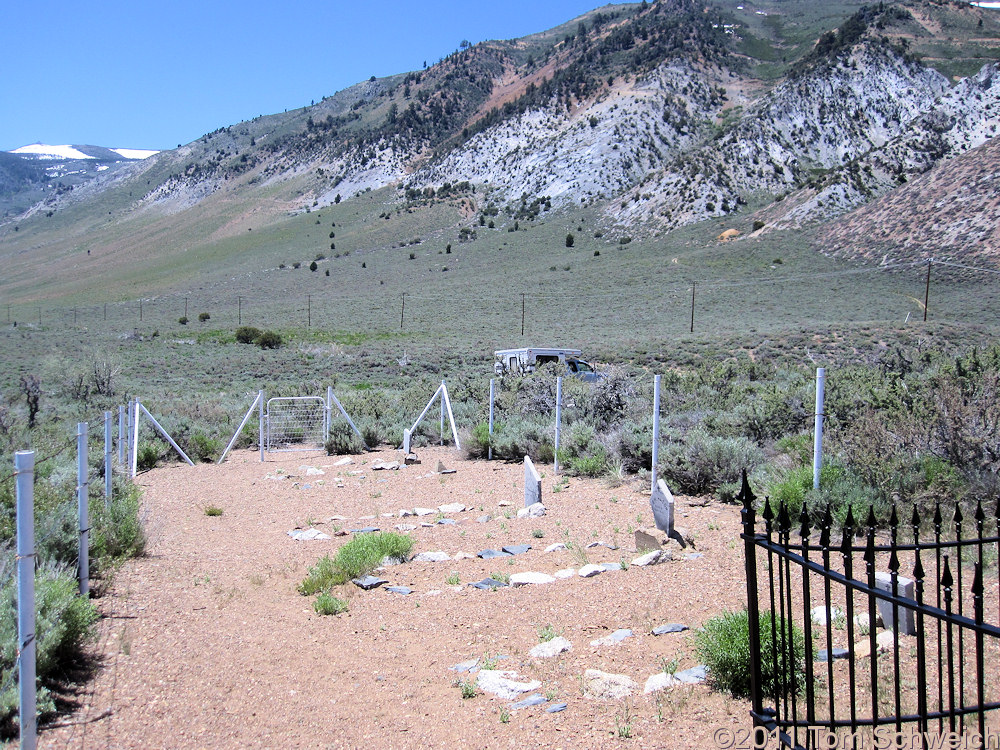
205, 642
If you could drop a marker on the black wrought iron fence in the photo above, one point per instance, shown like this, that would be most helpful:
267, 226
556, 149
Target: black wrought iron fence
860, 654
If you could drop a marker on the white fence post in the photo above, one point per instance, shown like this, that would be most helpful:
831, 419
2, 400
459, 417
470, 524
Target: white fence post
133, 437
555, 469
121, 434
24, 470
108, 452
489, 450
656, 429
83, 506
818, 439
261, 425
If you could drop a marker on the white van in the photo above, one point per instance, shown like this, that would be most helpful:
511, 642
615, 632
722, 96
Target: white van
523, 361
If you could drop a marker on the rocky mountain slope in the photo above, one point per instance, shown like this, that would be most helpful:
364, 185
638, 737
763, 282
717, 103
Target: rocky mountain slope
659, 115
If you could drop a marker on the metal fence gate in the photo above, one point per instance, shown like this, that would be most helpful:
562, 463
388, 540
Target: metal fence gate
823, 675
296, 423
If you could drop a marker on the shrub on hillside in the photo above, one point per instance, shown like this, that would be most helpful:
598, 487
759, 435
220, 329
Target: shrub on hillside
701, 462
247, 334
269, 340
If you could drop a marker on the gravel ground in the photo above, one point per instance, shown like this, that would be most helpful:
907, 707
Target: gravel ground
205, 643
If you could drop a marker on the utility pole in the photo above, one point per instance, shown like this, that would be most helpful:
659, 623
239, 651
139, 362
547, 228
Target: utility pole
522, 313
927, 287
402, 310
309, 313
692, 307
239, 310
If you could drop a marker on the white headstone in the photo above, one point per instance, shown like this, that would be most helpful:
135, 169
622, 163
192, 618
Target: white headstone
406, 442
662, 503
532, 484
904, 588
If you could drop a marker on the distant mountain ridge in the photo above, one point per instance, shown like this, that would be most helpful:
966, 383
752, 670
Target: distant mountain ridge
656, 115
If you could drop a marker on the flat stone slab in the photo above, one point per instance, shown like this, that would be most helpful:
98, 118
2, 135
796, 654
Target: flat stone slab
614, 638
487, 584
406, 526
608, 686
345, 461
504, 684
484, 519
555, 708
368, 582
424, 511
555, 547
591, 570
838, 653
565, 573
693, 676
535, 510
404, 590
654, 557
465, 666
307, 535
385, 465
548, 649
660, 681
530, 578
447, 522
490, 554
611, 566
451, 508
365, 530
531, 700
516, 549
438, 556
673, 627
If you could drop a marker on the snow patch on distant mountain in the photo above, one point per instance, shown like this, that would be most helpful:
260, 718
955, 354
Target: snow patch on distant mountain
44, 151
47, 151
135, 153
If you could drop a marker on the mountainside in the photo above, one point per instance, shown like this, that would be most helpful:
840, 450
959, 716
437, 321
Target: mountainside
40, 173
652, 116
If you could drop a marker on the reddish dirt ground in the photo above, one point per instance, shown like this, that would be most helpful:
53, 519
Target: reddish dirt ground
205, 642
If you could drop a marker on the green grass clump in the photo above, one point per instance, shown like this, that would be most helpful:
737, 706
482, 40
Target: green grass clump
328, 604
63, 623
213, 510
723, 644
359, 556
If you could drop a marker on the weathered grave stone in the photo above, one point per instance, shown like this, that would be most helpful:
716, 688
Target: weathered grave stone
662, 503
904, 588
406, 442
488, 583
489, 554
532, 484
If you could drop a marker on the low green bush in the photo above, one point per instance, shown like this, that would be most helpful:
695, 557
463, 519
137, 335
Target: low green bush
247, 334
328, 604
702, 462
358, 557
343, 440
148, 454
269, 340
63, 623
723, 645
203, 448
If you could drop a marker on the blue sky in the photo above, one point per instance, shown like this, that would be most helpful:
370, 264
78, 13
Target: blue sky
152, 75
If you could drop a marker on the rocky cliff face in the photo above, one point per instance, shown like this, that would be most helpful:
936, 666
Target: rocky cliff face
652, 114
